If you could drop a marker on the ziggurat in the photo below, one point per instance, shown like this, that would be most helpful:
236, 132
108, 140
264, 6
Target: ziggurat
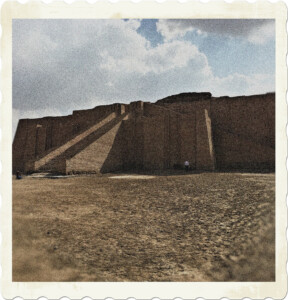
223, 133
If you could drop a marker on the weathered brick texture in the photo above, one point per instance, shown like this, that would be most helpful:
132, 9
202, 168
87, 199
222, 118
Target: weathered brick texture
244, 131
211, 133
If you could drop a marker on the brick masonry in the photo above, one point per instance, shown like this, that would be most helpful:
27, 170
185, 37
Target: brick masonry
211, 133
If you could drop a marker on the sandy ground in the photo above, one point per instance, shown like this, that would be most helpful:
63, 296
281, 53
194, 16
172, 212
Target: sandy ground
185, 227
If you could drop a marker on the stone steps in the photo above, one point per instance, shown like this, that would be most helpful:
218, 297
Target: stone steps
51, 156
59, 163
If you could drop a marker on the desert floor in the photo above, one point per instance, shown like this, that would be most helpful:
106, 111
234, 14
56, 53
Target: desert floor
181, 227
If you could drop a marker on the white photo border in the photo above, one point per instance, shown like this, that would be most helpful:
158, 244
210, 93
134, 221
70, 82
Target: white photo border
144, 290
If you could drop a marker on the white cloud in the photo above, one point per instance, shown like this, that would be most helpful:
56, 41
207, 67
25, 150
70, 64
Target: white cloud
240, 84
253, 30
171, 29
97, 65
63, 65
263, 34
147, 59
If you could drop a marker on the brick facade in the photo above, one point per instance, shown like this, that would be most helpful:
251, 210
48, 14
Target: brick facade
211, 133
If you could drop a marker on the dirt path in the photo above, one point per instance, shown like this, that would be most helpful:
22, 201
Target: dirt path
195, 227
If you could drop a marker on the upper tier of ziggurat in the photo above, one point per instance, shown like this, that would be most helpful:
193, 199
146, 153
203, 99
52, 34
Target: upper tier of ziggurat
223, 133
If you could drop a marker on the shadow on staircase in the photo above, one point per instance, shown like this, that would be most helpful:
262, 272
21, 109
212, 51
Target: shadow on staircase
81, 144
71, 137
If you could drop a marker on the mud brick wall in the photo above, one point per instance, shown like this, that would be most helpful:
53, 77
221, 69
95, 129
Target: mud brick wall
187, 140
163, 147
24, 145
128, 139
244, 131
153, 153
174, 123
222, 133
184, 98
40, 139
194, 133
133, 143
114, 160
19, 145
155, 134
136, 107
167, 141
28, 166
204, 142
138, 143
59, 131
35, 138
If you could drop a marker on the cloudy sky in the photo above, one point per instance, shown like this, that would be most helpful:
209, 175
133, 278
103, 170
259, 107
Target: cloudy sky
63, 65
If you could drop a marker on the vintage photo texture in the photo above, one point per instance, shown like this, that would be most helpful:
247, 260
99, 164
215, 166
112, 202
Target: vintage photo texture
145, 150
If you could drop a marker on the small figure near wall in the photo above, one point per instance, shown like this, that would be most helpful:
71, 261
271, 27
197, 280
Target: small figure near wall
186, 165
18, 175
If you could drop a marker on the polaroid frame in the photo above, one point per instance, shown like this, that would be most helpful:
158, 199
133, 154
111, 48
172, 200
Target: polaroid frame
144, 290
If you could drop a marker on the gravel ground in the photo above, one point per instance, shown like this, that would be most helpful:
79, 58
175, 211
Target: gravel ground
181, 227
